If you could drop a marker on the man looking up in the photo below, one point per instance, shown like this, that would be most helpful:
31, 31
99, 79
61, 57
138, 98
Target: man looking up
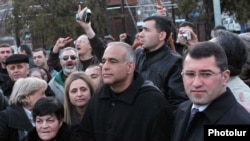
86, 54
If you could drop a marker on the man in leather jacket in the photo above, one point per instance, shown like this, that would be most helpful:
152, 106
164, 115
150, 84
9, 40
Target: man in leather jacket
157, 62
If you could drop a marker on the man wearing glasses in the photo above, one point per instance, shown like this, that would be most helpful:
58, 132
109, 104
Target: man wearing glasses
87, 55
205, 75
69, 60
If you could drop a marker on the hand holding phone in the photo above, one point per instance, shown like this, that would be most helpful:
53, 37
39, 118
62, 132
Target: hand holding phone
86, 16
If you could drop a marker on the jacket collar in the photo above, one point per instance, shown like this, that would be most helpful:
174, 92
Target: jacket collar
211, 111
58, 78
126, 96
23, 122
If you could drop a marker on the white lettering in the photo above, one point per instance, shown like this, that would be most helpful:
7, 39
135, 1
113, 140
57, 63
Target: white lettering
235, 132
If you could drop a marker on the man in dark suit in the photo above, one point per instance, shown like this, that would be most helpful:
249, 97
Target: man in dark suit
205, 75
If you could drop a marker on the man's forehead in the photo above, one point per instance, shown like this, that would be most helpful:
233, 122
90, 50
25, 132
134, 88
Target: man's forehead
5, 48
204, 62
67, 52
38, 53
83, 37
149, 23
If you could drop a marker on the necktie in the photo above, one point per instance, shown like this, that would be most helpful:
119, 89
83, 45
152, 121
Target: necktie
193, 112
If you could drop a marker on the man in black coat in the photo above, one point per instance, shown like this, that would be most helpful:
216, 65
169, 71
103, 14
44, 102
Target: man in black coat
157, 62
18, 67
205, 76
126, 107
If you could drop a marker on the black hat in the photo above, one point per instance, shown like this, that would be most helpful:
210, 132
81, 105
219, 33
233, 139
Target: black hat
17, 58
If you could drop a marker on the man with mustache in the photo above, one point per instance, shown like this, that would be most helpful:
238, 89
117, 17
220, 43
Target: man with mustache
69, 60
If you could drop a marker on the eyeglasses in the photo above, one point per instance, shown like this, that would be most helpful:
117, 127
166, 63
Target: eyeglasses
66, 57
79, 42
201, 75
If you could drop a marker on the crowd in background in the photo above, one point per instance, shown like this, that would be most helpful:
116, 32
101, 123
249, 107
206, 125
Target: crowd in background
141, 87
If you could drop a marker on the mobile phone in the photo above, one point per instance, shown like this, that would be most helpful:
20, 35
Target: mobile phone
187, 35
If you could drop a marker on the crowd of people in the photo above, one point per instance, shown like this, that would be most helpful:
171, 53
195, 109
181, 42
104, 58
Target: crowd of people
139, 88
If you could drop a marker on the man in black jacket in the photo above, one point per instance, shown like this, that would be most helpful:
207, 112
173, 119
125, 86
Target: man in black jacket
18, 67
126, 107
157, 62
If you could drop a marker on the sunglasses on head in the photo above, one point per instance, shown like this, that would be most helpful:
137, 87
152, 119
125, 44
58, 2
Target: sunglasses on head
66, 57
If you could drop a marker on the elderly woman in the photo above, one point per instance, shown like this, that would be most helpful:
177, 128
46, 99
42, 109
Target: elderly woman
16, 120
48, 114
78, 91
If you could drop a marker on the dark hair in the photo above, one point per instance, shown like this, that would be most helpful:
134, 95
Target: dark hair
161, 24
38, 70
235, 49
48, 106
47, 73
187, 23
129, 39
7, 45
4, 45
207, 49
27, 49
219, 27
41, 49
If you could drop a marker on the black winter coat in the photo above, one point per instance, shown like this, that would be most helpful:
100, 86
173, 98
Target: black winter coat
225, 110
163, 67
14, 123
139, 113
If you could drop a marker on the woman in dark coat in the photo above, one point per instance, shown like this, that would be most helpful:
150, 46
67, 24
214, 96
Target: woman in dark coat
48, 114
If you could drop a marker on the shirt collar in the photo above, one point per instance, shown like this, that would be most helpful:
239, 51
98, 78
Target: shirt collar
29, 115
200, 108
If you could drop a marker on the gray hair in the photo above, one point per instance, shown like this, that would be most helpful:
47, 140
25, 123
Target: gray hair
68, 48
130, 54
24, 87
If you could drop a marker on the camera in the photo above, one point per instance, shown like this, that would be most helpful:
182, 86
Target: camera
187, 35
86, 17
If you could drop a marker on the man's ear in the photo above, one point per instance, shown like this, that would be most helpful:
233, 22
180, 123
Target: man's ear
226, 76
131, 67
162, 35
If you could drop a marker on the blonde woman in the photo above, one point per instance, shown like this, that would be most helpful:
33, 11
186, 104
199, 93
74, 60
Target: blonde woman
78, 91
16, 120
